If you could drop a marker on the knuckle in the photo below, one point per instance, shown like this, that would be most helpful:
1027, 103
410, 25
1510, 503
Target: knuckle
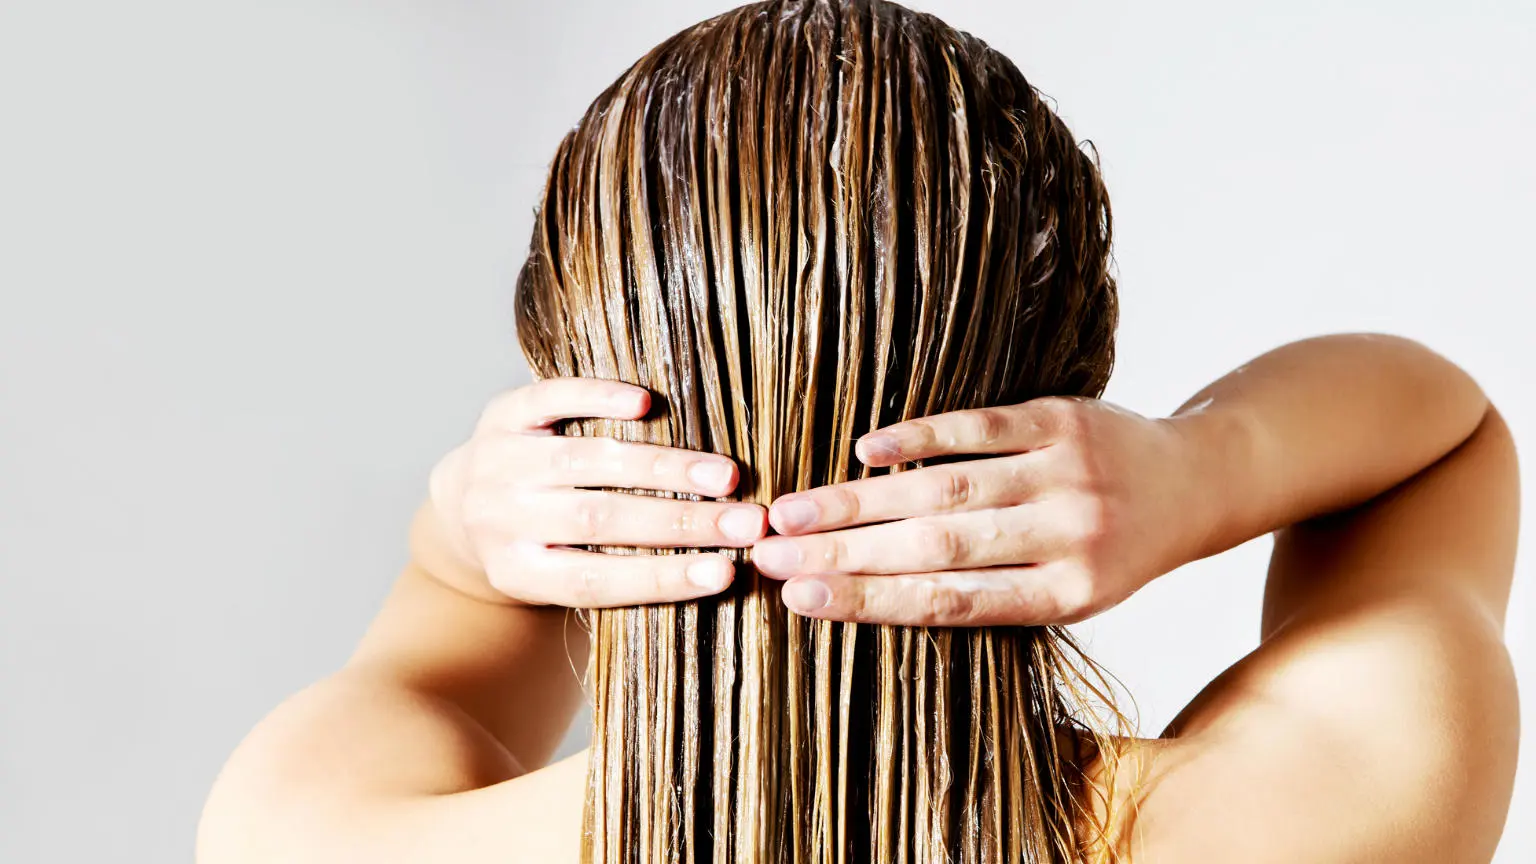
952, 490
855, 604
661, 464
940, 546
609, 450
691, 520
834, 555
948, 606
561, 456
918, 433
1066, 415
582, 586
988, 425
587, 517
1009, 525
844, 504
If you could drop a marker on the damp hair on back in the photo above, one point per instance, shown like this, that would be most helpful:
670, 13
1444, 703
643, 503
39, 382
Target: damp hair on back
795, 223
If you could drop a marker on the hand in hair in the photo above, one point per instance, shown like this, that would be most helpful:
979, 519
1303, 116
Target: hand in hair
1068, 517
1081, 503
506, 504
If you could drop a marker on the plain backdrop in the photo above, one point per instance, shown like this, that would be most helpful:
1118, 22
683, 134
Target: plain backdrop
257, 262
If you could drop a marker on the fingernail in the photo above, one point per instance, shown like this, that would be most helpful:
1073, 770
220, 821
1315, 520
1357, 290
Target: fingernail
711, 475
776, 557
710, 573
806, 595
793, 514
742, 523
876, 446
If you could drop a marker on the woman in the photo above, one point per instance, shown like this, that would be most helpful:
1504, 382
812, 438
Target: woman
799, 225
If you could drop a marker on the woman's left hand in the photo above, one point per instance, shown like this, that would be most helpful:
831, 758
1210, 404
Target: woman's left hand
1079, 504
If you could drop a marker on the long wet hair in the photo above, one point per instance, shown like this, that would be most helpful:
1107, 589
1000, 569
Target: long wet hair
795, 223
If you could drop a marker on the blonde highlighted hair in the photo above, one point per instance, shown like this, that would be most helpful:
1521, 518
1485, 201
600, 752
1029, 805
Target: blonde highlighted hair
795, 223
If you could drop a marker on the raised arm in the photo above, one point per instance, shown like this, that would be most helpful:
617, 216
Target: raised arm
430, 744
1322, 425
1379, 710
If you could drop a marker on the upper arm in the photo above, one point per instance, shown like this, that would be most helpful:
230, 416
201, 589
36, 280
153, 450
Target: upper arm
358, 768
423, 748
1379, 709
1448, 533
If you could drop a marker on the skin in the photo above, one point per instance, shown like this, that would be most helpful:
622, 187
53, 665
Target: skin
1379, 710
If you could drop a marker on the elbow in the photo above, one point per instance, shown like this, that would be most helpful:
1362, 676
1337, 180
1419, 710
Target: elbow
1446, 395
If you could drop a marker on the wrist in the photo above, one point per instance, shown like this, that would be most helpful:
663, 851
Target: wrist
1218, 455
434, 554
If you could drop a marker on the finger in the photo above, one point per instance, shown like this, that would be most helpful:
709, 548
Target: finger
541, 404
929, 491
1003, 429
534, 573
1022, 596
568, 461
586, 518
1009, 535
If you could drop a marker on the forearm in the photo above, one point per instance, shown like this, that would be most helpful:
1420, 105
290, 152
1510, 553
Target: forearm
433, 552
496, 655
1318, 426
513, 669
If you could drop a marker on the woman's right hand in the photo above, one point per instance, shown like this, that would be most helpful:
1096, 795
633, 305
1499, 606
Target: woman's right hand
507, 505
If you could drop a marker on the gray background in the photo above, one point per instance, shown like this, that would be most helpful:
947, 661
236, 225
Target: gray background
257, 263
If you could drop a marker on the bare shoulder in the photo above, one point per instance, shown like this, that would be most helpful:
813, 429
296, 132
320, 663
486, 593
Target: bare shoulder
325, 760
1378, 719
358, 768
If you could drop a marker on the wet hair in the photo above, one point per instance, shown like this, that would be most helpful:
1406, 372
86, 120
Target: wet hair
795, 223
